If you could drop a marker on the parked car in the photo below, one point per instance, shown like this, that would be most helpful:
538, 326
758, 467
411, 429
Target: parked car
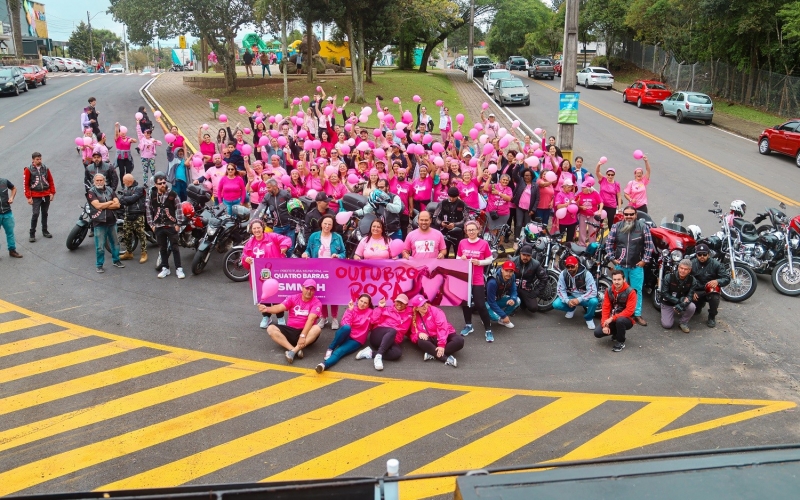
783, 139
116, 68
60, 63
80, 66
646, 93
593, 76
693, 105
511, 91
481, 65
491, 76
50, 64
147, 69
12, 81
34, 75
541, 67
557, 68
517, 63
70, 65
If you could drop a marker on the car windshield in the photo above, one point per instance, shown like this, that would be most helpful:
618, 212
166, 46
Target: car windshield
6, 73
510, 84
657, 86
28, 70
543, 61
482, 60
600, 71
699, 99
499, 75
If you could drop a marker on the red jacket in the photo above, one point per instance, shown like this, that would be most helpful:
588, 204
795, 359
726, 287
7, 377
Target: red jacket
630, 306
37, 194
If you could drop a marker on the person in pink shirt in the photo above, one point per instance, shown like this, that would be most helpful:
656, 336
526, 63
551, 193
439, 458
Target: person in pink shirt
334, 188
352, 334
636, 190
589, 205
179, 139
551, 161
425, 242
100, 147
258, 188
384, 340
476, 250
547, 194
440, 190
610, 193
264, 246
498, 202
468, 189
297, 187
375, 245
300, 330
207, 146
123, 145
433, 334
564, 199
147, 151
86, 151
422, 188
231, 189
214, 175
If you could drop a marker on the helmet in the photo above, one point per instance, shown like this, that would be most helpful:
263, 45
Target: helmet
188, 209
738, 208
295, 208
695, 232
377, 197
712, 289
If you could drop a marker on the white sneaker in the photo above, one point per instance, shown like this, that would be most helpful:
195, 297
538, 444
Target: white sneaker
427, 357
590, 324
335, 324
179, 273
327, 355
282, 321
508, 325
378, 362
164, 273
570, 314
365, 353
265, 320
451, 361
321, 323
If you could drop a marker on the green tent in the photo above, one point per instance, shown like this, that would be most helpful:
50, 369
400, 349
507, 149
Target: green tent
251, 39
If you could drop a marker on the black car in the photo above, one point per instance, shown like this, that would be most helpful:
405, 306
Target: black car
517, 63
12, 81
481, 65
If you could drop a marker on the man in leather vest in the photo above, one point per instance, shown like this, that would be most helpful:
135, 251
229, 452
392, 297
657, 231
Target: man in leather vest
450, 217
103, 202
677, 290
40, 191
711, 277
133, 200
164, 216
388, 206
619, 305
98, 166
630, 244
7, 194
576, 287
531, 278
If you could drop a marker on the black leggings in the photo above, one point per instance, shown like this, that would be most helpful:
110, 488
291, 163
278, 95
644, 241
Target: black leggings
125, 166
610, 212
618, 328
455, 343
713, 303
570, 230
381, 340
167, 238
479, 303
267, 315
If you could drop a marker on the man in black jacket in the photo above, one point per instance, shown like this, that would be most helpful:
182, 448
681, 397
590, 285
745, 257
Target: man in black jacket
314, 216
98, 166
531, 278
132, 200
450, 217
165, 217
677, 290
711, 277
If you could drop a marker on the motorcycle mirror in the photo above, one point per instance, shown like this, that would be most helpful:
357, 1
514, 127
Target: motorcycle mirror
716, 204
782, 205
678, 217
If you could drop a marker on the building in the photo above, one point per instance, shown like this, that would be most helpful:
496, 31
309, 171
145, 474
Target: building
33, 21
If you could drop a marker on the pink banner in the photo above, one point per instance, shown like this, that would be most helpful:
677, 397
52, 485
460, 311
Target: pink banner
445, 282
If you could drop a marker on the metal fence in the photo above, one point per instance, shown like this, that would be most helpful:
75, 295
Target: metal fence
772, 92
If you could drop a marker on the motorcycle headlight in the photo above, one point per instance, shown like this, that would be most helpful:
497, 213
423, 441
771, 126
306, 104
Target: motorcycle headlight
676, 255
664, 252
87, 209
211, 230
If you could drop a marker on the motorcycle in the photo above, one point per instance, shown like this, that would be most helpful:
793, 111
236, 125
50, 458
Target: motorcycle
84, 223
672, 242
786, 273
548, 251
223, 232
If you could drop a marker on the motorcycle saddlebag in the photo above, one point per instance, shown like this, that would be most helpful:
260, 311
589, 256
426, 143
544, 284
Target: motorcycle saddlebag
198, 193
352, 202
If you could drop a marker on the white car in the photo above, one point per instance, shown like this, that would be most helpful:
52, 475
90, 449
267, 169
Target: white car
491, 77
593, 76
70, 64
116, 68
80, 66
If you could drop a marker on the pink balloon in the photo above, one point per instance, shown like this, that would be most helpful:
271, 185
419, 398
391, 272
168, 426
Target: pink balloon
437, 147
344, 149
247, 131
204, 126
259, 119
306, 98
247, 150
339, 111
300, 114
317, 143
473, 134
427, 139
515, 124
311, 193
538, 153
87, 141
603, 214
157, 114
79, 141
379, 153
440, 103
396, 100
485, 105
603, 159
638, 154
329, 171
263, 140
503, 142
488, 149
417, 98
278, 117
296, 101
271, 119
483, 139
139, 116
197, 162
588, 182
223, 118
438, 161
343, 217
561, 213
302, 134
473, 162
281, 141
242, 110
478, 126
366, 111
407, 118
520, 157
396, 247
307, 146
400, 126
351, 142
572, 208
381, 116
352, 179
348, 127
458, 135
362, 146
286, 180
274, 133
269, 288
327, 111
533, 162
319, 88
492, 168
346, 98
460, 119
363, 118
537, 131
502, 132
376, 132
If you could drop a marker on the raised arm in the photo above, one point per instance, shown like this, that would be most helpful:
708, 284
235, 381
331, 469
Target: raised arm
646, 167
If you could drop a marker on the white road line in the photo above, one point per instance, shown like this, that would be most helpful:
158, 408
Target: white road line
502, 110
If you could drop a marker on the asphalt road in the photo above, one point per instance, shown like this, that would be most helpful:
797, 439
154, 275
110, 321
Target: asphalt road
650, 394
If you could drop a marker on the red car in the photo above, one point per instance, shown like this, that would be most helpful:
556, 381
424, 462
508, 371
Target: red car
646, 93
34, 75
783, 139
557, 68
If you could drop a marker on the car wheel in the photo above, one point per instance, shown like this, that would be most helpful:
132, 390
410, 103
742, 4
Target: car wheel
624, 97
528, 103
708, 122
797, 159
639, 102
763, 146
16, 90
679, 116
44, 81
500, 102
25, 88
661, 111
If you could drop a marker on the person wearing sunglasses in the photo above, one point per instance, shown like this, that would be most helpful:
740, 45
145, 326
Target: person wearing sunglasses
165, 216
576, 287
677, 290
610, 192
711, 278
631, 245
300, 330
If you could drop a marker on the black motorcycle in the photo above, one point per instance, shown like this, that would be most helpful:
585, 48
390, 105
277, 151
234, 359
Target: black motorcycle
84, 223
222, 232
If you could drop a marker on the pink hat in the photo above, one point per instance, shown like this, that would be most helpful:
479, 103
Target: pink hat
309, 282
373, 171
444, 176
418, 301
401, 298
638, 170
588, 182
611, 169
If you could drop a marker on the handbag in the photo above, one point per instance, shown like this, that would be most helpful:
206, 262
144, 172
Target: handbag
494, 215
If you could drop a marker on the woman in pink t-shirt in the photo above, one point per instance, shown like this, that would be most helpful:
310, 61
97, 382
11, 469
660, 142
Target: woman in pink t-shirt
231, 189
468, 189
297, 187
440, 190
207, 146
498, 201
564, 199
335, 189
123, 144
610, 193
589, 205
375, 245
636, 190
476, 251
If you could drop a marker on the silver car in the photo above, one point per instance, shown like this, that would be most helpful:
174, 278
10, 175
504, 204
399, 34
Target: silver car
491, 76
511, 91
594, 76
692, 105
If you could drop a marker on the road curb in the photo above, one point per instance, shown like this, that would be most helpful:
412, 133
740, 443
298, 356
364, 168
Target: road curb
155, 106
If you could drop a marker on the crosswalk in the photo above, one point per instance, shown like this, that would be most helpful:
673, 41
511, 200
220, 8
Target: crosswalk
88, 410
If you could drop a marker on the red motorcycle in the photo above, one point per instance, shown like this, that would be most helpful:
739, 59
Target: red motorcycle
672, 242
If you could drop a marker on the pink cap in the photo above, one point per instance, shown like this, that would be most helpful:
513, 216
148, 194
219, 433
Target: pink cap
309, 282
401, 298
611, 169
418, 301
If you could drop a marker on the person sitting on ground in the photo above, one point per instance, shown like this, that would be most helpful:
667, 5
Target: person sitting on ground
300, 330
501, 294
677, 290
263, 245
531, 278
385, 340
576, 287
433, 334
619, 306
711, 277
352, 334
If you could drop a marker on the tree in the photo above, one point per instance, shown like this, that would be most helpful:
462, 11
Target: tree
80, 46
145, 19
458, 40
513, 21
608, 18
16, 28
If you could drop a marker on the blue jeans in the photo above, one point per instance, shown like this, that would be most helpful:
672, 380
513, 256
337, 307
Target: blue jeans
503, 303
101, 235
287, 231
635, 278
230, 204
7, 223
180, 188
590, 305
341, 346
544, 214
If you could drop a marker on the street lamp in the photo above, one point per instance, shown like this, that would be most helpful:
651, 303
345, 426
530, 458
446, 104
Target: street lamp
89, 20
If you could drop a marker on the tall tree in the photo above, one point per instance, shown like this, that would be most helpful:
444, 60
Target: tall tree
16, 27
513, 21
608, 18
80, 46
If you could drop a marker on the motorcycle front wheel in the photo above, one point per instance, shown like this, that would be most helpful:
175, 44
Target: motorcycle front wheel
657, 299
549, 293
233, 267
76, 236
743, 287
785, 279
200, 260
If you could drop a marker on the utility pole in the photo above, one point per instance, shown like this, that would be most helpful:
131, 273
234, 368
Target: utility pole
125, 46
566, 132
471, 39
91, 44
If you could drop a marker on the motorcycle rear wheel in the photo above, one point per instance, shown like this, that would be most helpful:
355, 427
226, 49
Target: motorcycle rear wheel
744, 286
76, 236
786, 280
549, 293
603, 285
123, 248
657, 300
233, 267
199, 261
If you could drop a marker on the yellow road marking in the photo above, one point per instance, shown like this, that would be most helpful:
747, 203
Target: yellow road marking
19, 324
90, 382
64, 360
37, 343
61, 464
224, 455
362, 451
713, 166
2, 127
53, 99
496, 445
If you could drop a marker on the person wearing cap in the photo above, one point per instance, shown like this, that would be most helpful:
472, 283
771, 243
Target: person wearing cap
314, 216
576, 287
450, 217
476, 251
178, 172
165, 216
568, 196
531, 278
501, 294
711, 277
425, 242
610, 192
401, 187
385, 339
386, 206
213, 175
352, 334
636, 190
490, 123
433, 334
300, 330
630, 245
619, 305
98, 166
590, 205
677, 290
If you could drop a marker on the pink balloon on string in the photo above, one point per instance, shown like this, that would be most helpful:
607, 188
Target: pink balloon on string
417, 98
485, 105
263, 140
492, 168
296, 101
242, 110
561, 213
437, 147
488, 149
344, 149
343, 217
537, 131
396, 100
169, 138
223, 118
352, 179
458, 135
440, 103
281, 141
269, 288
460, 119
638, 154
473, 134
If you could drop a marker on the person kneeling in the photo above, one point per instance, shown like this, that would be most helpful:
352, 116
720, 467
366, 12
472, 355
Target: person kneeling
531, 278
385, 340
677, 291
711, 277
501, 295
619, 306
429, 325
300, 330
352, 334
576, 287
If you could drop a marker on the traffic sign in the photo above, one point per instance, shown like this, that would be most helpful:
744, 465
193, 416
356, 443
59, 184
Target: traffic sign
182, 41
